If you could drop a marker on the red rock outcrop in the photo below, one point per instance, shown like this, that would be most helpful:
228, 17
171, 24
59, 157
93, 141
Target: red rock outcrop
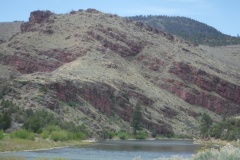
36, 17
227, 99
109, 39
92, 10
39, 16
153, 63
26, 63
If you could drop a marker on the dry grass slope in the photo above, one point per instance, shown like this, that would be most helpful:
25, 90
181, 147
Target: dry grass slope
8, 29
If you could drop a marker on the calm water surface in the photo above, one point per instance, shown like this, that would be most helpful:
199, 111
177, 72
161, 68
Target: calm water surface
117, 150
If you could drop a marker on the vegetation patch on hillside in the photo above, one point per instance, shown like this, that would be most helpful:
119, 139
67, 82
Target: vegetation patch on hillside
188, 29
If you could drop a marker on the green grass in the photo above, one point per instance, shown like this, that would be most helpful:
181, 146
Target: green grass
12, 158
16, 144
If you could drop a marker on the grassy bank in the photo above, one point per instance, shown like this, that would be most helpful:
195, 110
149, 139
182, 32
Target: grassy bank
16, 144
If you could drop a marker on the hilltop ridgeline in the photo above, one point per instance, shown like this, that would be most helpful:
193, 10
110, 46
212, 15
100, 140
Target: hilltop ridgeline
188, 29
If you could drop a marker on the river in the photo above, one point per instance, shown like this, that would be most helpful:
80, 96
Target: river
117, 150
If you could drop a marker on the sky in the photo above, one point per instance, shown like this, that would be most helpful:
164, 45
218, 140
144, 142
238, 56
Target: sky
224, 15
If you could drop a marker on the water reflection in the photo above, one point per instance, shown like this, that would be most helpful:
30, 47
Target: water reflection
148, 146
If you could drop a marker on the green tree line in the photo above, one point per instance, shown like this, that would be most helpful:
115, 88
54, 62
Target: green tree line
227, 129
188, 29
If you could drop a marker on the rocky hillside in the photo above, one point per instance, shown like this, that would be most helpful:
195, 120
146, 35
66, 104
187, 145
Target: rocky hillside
93, 68
189, 29
8, 29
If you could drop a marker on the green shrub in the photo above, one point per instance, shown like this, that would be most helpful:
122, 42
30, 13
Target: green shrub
60, 135
123, 135
23, 134
43, 89
76, 136
109, 134
12, 108
48, 130
18, 118
45, 134
4, 91
154, 134
52, 128
228, 129
141, 135
72, 104
1, 134
37, 121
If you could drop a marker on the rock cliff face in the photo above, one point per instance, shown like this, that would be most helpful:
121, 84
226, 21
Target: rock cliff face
27, 63
93, 68
36, 17
226, 98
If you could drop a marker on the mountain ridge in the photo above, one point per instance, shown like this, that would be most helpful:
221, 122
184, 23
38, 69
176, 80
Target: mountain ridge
189, 29
184, 27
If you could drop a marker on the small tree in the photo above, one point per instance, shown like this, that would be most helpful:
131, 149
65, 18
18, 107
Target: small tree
1, 121
137, 118
206, 122
6, 121
1, 134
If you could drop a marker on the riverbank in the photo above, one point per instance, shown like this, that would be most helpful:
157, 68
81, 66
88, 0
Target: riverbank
214, 142
8, 145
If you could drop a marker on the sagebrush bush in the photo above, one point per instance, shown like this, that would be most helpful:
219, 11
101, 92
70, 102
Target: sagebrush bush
23, 134
227, 152
171, 158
